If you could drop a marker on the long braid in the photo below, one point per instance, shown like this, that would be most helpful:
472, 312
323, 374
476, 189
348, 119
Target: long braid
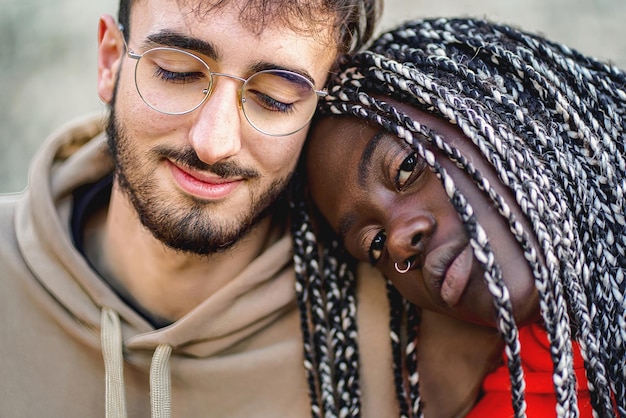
405, 373
326, 297
395, 326
551, 122
306, 266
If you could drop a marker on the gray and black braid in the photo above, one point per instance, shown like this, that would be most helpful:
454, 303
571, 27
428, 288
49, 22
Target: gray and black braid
326, 297
551, 122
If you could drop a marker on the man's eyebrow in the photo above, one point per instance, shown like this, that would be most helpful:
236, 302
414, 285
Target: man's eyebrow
366, 157
174, 39
263, 65
177, 40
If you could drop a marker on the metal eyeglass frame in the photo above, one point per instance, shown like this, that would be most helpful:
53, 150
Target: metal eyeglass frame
133, 55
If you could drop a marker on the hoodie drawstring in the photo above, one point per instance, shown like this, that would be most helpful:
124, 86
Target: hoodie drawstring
111, 341
112, 352
160, 385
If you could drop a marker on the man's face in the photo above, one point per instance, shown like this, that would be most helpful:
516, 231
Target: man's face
200, 181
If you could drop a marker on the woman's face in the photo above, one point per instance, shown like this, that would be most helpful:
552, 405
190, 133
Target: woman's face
389, 208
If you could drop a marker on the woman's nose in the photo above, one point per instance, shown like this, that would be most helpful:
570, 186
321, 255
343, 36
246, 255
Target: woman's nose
407, 236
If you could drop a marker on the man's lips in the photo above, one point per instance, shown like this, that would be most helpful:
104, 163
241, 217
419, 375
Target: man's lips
449, 268
203, 185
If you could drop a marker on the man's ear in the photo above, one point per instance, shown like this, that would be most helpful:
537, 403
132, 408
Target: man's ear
110, 54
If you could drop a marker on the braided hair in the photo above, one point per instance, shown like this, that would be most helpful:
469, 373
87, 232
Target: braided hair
551, 122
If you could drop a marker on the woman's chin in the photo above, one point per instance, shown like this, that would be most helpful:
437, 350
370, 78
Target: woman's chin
477, 306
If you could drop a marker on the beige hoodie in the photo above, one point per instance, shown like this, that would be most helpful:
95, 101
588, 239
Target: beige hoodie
70, 347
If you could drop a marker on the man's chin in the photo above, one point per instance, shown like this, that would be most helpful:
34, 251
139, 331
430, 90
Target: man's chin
198, 238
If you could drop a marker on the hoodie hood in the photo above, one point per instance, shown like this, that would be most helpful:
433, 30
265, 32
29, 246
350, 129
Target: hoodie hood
86, 306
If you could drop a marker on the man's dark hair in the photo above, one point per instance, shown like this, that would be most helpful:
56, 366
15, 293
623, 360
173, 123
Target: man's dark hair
354, 20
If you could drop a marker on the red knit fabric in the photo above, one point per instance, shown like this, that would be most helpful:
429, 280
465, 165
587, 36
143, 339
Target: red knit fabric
539, 393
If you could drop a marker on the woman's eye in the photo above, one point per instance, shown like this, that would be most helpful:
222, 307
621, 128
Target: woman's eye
406, 170
376, 247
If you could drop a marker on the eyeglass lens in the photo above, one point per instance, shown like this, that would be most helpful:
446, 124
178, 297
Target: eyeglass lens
275, 102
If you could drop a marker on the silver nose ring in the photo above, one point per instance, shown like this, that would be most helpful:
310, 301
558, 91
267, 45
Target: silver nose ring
404, 270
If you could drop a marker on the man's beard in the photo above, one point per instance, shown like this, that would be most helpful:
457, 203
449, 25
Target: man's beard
189, 227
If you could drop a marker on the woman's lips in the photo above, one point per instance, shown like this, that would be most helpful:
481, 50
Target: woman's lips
456, 277
449, 269
209, 187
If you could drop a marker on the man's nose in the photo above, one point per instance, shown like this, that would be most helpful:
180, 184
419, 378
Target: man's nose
217, 128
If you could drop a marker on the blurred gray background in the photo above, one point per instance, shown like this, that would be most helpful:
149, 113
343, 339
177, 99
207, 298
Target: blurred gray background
48, 55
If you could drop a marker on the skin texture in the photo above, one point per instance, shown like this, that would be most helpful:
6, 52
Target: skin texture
357, 183
199, 183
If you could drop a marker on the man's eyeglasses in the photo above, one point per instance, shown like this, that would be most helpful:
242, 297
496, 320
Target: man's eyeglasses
175, 82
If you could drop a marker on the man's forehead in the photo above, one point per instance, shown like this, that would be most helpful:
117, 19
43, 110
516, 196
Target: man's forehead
193, 16
306, 16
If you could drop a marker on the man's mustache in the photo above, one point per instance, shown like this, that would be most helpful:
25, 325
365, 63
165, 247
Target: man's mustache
188, 157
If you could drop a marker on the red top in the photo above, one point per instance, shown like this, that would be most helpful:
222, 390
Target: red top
539, 393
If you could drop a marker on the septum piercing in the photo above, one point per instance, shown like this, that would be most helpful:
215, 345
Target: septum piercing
404, 270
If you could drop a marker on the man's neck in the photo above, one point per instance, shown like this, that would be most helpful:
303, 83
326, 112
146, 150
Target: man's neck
161, 283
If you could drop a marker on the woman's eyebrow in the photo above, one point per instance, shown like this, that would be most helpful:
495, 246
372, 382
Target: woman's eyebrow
366, 156
346, 222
